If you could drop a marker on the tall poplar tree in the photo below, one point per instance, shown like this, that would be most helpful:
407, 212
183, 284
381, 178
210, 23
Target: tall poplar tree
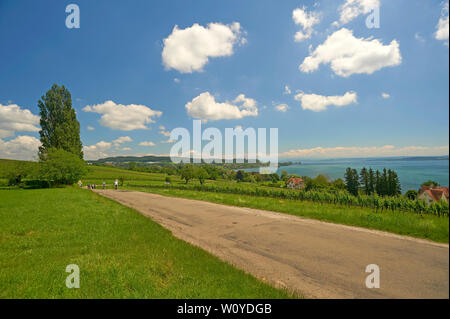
371, 181
60, 128
364, 180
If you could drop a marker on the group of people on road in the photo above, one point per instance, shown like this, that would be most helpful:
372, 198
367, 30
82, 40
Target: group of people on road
93, 186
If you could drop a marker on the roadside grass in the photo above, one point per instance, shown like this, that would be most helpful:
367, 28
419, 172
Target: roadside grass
403, 223
120, 253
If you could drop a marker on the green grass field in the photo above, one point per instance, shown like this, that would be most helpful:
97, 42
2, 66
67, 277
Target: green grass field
120, 253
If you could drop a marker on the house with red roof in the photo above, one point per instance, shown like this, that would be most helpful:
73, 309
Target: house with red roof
295, 183
433, 193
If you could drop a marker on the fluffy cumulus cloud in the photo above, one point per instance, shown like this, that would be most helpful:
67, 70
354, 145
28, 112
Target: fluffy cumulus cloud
354, 8
206, 108
123, 139
385, 95
124, 117
188, 50
149, 143
163, 131
20, 148
306, 20
349, 55
14, 119
317, 103
96, 151
281, 107
287, 90
442, 26
387, 150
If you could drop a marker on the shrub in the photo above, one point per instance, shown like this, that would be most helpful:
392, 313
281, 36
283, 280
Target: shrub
60, 167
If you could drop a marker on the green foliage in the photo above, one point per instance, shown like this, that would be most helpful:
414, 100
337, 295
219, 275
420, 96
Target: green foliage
188, 173
201, 174
430, 183
60, 167
60, 128
352, 181
411, 194
338, 184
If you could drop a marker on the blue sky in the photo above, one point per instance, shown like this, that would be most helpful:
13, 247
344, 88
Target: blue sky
116, 55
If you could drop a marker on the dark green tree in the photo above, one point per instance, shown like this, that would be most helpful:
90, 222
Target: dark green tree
384, 183
352, 181
378, 183
338, 184
411, 194
188, 173
201, 174
371, 181
60, 128
396, 188
364, 180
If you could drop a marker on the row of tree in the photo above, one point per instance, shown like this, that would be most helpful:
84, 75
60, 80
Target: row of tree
385, 183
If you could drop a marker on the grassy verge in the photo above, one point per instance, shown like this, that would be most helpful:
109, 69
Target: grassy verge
120, 253
426, 226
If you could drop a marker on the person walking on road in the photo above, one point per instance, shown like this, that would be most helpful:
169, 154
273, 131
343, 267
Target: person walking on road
104, 185
116, 184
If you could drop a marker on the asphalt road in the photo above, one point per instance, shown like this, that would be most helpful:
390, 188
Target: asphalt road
313, 258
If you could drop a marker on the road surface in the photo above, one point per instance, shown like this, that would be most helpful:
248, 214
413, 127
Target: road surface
313, 258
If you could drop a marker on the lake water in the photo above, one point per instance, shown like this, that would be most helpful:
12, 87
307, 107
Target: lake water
412, 172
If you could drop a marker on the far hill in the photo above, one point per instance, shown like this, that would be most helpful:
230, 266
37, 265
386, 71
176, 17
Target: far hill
136, 159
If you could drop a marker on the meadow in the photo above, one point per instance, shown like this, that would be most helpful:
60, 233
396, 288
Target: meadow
120, 253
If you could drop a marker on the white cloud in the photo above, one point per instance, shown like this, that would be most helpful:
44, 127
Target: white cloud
169, 141
349, 55
90, 128
281, 107
20, 148
188, 50
354, 8
96, 151
121, 140
163, 131
287, 90
206, 108
149, 143
443, 25
126, 149
373, 151
385, 95
124, 117
176, 80
306, 20
418, 37
14, 119
317, 103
